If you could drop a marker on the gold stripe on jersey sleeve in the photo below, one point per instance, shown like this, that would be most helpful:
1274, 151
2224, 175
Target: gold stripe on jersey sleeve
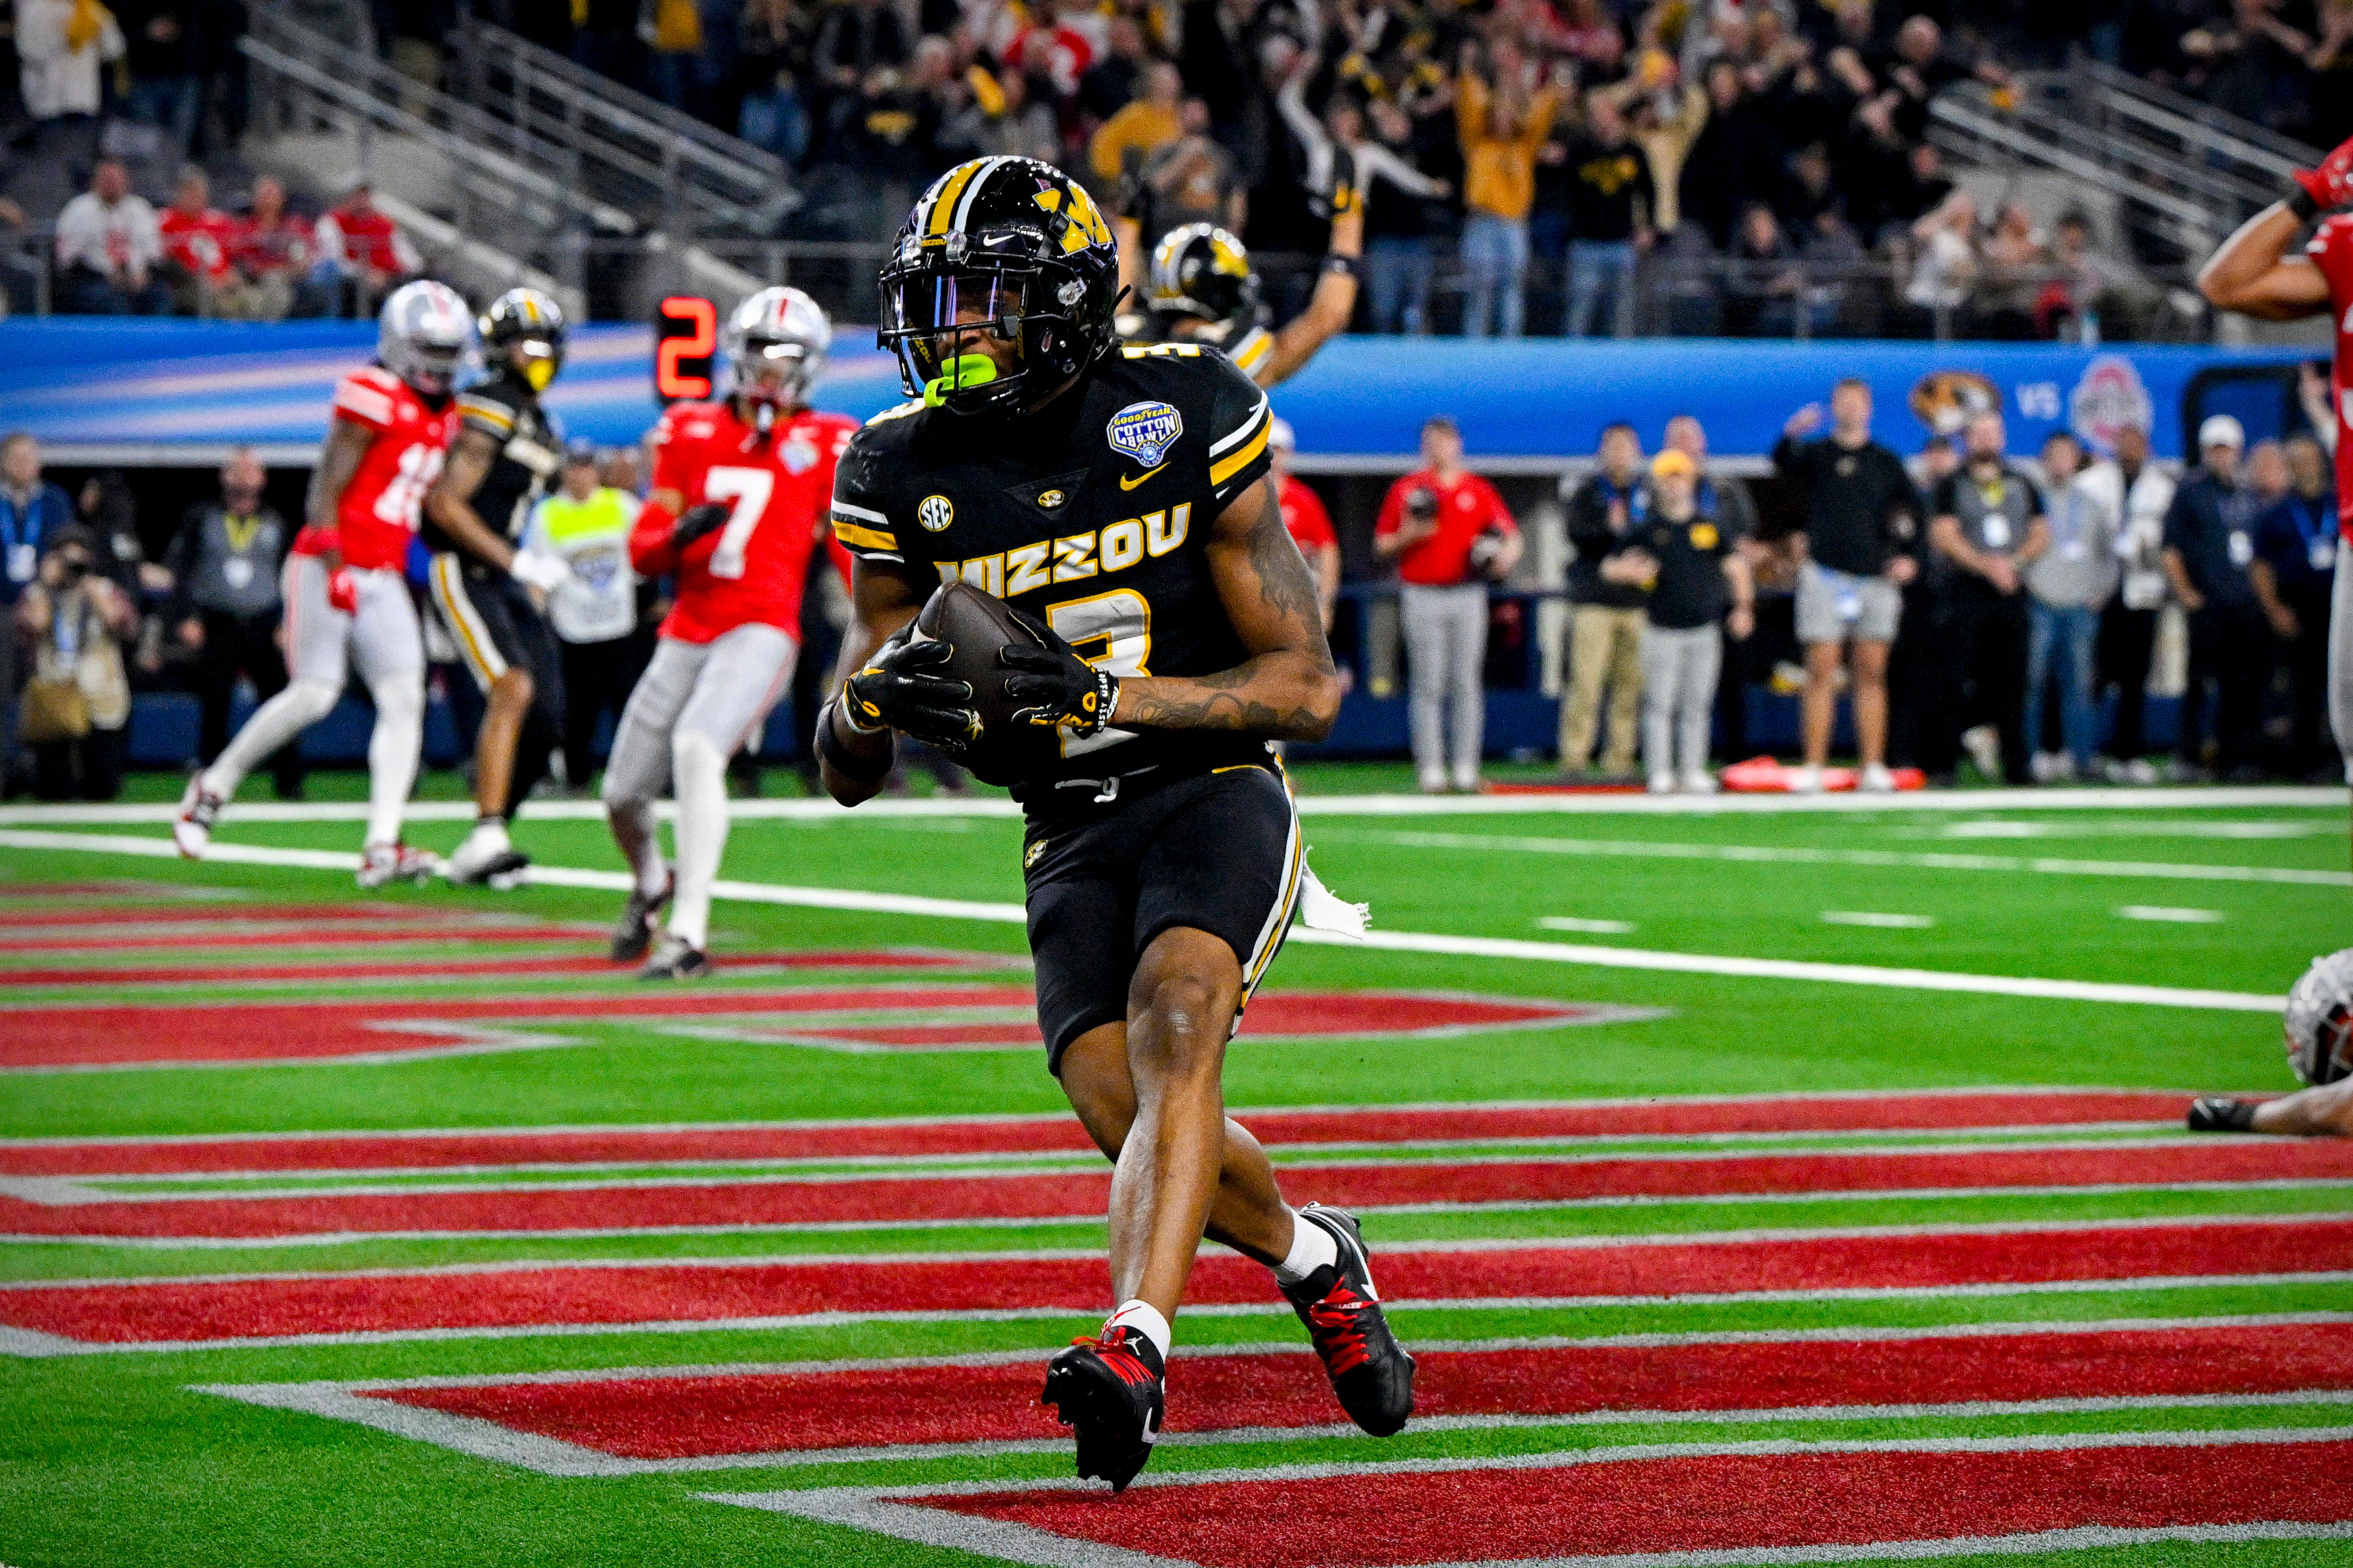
1234, 462
858, 538
488, 413
1254, 348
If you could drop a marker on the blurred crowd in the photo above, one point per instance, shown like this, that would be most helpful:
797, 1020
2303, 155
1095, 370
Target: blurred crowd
1982, 616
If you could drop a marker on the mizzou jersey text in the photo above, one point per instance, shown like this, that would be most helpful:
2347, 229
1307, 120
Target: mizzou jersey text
1091, 515
377, 514
774, 488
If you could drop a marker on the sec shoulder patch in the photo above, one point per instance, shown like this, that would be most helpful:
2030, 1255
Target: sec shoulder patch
1144, 431
935, 513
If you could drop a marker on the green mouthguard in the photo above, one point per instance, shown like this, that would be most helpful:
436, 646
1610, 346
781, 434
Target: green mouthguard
964, 370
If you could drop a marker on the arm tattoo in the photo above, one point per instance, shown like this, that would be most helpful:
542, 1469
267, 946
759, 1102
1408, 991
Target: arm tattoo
1285, 585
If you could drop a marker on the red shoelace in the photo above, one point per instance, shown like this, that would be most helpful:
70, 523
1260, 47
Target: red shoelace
1339, 1335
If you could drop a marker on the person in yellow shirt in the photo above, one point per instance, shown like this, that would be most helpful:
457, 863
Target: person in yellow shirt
1148, 123
1501, 129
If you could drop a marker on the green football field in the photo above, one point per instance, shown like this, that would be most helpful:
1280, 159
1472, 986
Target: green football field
1757, 1182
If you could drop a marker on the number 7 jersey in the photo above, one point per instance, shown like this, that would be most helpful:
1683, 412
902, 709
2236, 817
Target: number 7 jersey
776, 488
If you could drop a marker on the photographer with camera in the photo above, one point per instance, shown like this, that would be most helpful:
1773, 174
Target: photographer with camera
77, 702
1451, 535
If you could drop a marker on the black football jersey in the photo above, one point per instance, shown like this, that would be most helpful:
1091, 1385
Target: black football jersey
1091, 515
530, 453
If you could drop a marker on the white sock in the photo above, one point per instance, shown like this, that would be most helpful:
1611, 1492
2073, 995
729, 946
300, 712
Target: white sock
267, 728
1145, 1318
1311, 1246
699, 778
490, 836
392, 748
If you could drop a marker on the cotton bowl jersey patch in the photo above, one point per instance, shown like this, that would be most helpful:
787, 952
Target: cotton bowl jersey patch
1144, 431
935, 513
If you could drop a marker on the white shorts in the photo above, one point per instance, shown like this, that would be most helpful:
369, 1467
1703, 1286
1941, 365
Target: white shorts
721, 690
381, 636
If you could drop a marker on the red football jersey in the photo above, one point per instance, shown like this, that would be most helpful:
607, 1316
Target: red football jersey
2332, 251
1304, 515
377, 515
778, 489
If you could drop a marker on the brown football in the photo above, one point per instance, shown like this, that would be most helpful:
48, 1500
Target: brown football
979, 625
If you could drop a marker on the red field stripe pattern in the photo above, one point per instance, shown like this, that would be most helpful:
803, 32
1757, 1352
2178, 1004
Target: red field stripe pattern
240, 910
1077, 1193
216, 971
668, 1292
1729, 1502
276, 1031
1058, 1133
694, 1417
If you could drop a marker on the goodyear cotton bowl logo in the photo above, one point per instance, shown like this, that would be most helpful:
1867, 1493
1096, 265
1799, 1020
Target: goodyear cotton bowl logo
2108, 397
935, 513
1144, 431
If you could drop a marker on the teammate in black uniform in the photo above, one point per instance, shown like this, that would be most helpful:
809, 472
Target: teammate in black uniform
1200, 288
1117, 497
488, 589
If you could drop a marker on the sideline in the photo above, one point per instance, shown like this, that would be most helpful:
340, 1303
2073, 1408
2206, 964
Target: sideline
2232, 798
1393, 942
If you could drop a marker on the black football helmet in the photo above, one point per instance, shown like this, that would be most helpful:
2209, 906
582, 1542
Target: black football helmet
1012, 246
528, 319
1203, 272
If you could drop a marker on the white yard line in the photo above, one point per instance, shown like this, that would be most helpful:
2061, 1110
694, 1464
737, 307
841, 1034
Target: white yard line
1877, 920
1395, 942
1789, 854
2166, 915
1580, 804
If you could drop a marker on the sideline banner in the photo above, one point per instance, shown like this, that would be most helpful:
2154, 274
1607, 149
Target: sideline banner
180, 390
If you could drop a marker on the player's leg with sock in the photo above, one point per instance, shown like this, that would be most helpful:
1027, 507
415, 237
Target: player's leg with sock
636, 774
389, 645
747, 670
317, 647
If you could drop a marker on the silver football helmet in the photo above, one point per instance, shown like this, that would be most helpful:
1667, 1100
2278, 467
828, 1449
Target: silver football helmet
2319, 1021
775, 344
425, 335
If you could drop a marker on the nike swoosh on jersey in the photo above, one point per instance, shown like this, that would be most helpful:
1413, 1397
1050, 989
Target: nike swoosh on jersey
1127, 484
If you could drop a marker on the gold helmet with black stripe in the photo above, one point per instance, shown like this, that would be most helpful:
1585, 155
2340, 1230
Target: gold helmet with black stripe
1202, 273
1012, 247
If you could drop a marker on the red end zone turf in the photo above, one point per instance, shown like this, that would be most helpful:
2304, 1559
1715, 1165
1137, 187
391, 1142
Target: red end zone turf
984, 1196
1727, 1503
524, 1296
1056, 1132
753, 1413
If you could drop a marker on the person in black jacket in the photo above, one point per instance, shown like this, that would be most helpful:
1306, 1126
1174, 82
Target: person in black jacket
2208, 546
1605, 616
226, 606
1860, 545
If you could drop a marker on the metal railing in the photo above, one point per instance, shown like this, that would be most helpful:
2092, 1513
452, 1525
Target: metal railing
669, 170
1670, 296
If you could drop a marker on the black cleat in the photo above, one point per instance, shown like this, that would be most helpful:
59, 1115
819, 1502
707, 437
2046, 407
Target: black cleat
2220, 1113
633, 933
1369, 1369
675, 958
1109, 1392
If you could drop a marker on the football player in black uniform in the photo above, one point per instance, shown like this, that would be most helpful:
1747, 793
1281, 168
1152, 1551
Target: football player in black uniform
1117, 497
488, 588
1200, 288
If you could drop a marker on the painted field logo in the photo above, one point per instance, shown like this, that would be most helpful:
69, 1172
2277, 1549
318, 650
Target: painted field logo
1144, 431
935, 513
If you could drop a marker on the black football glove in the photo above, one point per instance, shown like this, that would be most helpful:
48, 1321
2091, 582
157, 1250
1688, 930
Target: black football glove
1057, 688
901, 686
695, 521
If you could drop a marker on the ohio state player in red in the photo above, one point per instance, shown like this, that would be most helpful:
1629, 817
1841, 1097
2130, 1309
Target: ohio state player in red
740, 488
346, 589
2254, 274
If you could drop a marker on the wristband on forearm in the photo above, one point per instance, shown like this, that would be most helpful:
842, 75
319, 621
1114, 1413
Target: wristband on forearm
2299, 202
1348, 264
850, 765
